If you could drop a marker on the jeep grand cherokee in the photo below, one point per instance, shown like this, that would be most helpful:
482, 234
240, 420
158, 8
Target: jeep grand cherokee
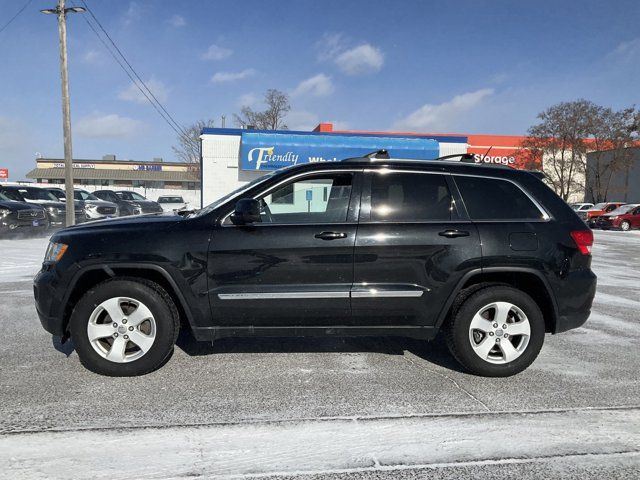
488, 254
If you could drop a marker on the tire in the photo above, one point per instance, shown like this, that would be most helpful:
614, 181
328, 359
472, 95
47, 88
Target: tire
145, 329
625, 226
495, 359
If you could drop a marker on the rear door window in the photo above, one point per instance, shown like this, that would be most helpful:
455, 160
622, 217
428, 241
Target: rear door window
410, 197
496, 199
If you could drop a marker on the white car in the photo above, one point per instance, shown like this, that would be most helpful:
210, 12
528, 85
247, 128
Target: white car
174, 203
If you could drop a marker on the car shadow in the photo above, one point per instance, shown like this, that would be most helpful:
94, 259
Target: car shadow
434, 352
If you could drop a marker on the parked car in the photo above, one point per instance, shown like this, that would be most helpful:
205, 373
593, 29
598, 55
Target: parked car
624, 218
581, 207
94, 208
174, 203
487, 254
599, 209
129, 203
21, 217
56, 210
125, 208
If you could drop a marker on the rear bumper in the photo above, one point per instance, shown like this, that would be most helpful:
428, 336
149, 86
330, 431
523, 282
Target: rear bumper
575, 298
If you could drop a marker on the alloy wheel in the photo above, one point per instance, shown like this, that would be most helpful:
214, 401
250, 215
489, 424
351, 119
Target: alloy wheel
121, 329
499, 332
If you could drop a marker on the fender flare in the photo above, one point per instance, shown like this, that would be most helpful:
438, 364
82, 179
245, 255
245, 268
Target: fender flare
480, 271
108, 269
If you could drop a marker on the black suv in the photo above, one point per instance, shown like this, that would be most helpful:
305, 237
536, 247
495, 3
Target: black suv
488, 254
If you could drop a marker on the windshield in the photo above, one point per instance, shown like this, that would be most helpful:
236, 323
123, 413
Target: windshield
82, 195
598, 206
623, 209
234, 193
38, 194
170, 200
13, 195
130, 196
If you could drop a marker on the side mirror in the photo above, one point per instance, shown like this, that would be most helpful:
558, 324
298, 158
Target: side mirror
247, 211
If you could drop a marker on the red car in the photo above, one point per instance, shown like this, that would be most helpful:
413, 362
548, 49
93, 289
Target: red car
625, 218
599, 209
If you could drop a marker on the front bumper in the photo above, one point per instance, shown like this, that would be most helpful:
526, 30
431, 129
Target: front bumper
44, 292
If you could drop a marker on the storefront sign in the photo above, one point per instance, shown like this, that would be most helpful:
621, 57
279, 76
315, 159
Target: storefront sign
76, 165
4, 173
148, 168
271, 151
512, 157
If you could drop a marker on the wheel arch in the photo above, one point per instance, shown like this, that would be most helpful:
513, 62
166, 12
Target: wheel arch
90, 276
528, 280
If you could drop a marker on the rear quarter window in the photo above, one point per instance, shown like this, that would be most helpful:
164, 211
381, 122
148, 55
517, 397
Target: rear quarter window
496, 199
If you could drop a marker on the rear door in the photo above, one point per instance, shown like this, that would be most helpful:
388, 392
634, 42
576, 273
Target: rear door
413, 247
295, 267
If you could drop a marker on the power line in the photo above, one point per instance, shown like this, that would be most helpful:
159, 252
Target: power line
15, 16
148, 94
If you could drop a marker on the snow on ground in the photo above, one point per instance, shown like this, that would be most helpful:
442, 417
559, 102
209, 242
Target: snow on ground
21, 258
340, 445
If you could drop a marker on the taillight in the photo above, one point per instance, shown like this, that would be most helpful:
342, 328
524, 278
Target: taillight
584, 240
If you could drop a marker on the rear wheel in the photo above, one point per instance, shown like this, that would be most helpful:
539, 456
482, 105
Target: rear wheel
496, 332
124, 327
625, 225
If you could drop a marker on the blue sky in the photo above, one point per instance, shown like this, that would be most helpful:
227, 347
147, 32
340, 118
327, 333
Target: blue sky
455, 66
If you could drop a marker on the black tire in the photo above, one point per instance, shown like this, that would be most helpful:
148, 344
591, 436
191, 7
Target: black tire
625, 226
157, 300
457, 330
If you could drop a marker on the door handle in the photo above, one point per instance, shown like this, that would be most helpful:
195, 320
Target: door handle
454, 233
330, 235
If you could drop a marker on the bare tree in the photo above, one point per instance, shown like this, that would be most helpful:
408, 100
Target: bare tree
272, 118
559, 140
611, 133
188, 148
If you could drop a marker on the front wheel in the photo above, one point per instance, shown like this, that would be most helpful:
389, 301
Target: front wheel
124, 327
625, 226
496, 332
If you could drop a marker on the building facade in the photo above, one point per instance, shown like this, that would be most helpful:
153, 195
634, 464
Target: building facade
618, 184
110, 173
232, 157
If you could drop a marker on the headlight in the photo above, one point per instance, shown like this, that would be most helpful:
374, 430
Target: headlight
4, 212
55, 251
90, 206
54, 210
614, 217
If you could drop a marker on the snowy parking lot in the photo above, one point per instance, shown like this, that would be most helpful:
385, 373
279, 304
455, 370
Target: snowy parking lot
326, 408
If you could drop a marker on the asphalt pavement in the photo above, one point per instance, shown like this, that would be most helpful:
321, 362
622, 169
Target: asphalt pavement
331, 408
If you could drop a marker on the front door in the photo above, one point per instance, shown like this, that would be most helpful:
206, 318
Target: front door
412, 249
295, 266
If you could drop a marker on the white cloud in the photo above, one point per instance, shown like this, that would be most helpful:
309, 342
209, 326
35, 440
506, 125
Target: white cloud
133, 93
132, 14
91, 56
359, 60
318, 86
330, 45
224, 77
628, 50
248, 100
216, 52
110, 125
301, 120
352, 60
177, 21
443, 115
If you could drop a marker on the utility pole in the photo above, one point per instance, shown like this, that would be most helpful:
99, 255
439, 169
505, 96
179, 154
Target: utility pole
61, 11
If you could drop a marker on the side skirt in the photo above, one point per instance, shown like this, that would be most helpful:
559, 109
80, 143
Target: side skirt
213, 333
